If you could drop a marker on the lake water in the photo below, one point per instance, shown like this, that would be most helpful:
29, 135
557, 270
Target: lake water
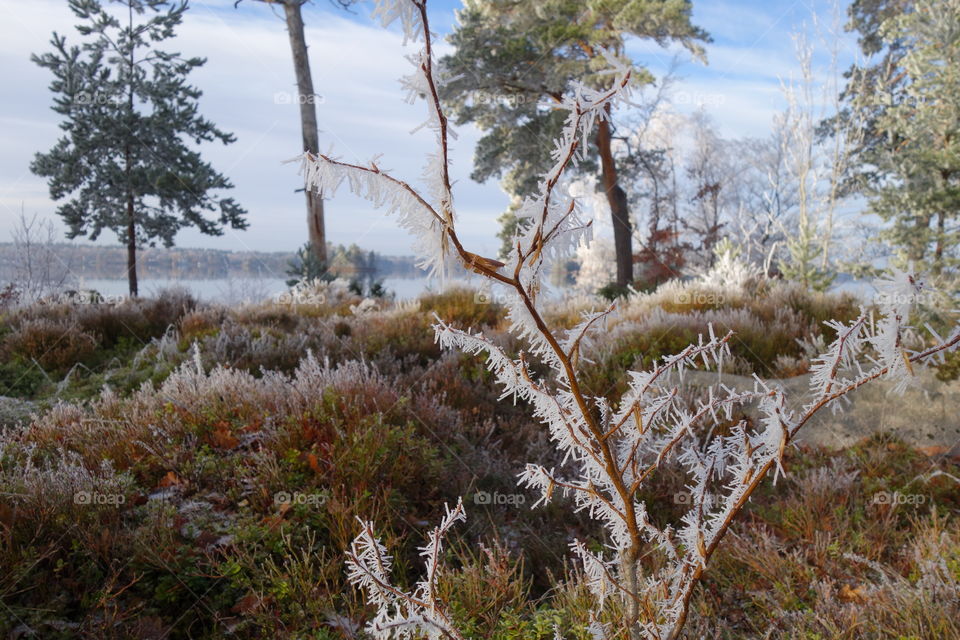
235, 290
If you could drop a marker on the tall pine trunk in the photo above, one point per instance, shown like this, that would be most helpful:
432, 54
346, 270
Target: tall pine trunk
308, 122
131, 225
128, 169
619, 208
131, 248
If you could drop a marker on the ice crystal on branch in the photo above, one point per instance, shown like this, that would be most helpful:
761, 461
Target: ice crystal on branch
403, 614
612, 450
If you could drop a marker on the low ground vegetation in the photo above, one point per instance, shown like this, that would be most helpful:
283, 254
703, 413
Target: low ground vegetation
195, 471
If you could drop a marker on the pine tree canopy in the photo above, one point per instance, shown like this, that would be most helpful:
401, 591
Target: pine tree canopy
512, 57
128, 156
907, 98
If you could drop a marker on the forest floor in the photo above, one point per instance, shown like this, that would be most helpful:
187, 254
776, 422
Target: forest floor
177, 470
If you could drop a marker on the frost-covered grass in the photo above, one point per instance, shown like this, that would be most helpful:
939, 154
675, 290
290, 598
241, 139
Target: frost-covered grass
381, 425
68, 351
46, 347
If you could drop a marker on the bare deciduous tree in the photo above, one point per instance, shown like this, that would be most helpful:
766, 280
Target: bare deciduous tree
40, 266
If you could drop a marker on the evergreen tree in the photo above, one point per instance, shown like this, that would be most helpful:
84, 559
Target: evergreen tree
511, 56
130, 120
906, 100
306, 266
306, 99
920, 195
872, 84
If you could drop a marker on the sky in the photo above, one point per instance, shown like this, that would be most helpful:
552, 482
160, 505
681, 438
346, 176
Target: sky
249, 89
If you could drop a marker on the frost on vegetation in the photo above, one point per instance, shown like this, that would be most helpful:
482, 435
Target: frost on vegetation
729, 272
400, 613
367, 305
58, 479
192, 388
317, 292
596, 255
612, 450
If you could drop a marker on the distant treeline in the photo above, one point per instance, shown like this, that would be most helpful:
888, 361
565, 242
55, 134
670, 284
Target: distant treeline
107, 262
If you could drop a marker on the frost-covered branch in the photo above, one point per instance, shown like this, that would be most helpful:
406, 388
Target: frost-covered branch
403, 614
611, 450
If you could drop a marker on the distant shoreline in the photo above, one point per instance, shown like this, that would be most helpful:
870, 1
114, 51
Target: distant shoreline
109, 262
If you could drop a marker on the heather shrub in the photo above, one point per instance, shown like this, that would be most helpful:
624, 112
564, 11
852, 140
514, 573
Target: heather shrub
62, 527
256, 347
206, 451
201, 456
137, 321
464, 307
831, 560
950, 369
490, 596
201, 323
286, 317
638, 341
14, 412
50, 347
402, 337
567, 311
53, 345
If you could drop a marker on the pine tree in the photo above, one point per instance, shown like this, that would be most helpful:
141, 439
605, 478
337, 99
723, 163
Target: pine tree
510, 57
872, 83
306, 99
306, 267
127, 160
906, 100
920, 196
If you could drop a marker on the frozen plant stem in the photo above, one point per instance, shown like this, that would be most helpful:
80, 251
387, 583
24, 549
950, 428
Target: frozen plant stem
613, 450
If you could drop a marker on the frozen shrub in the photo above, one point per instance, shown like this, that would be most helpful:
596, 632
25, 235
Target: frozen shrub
55, 500
201, 322
54, 345
465, 307
729, 272
329, 295
924, 605
87, 327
